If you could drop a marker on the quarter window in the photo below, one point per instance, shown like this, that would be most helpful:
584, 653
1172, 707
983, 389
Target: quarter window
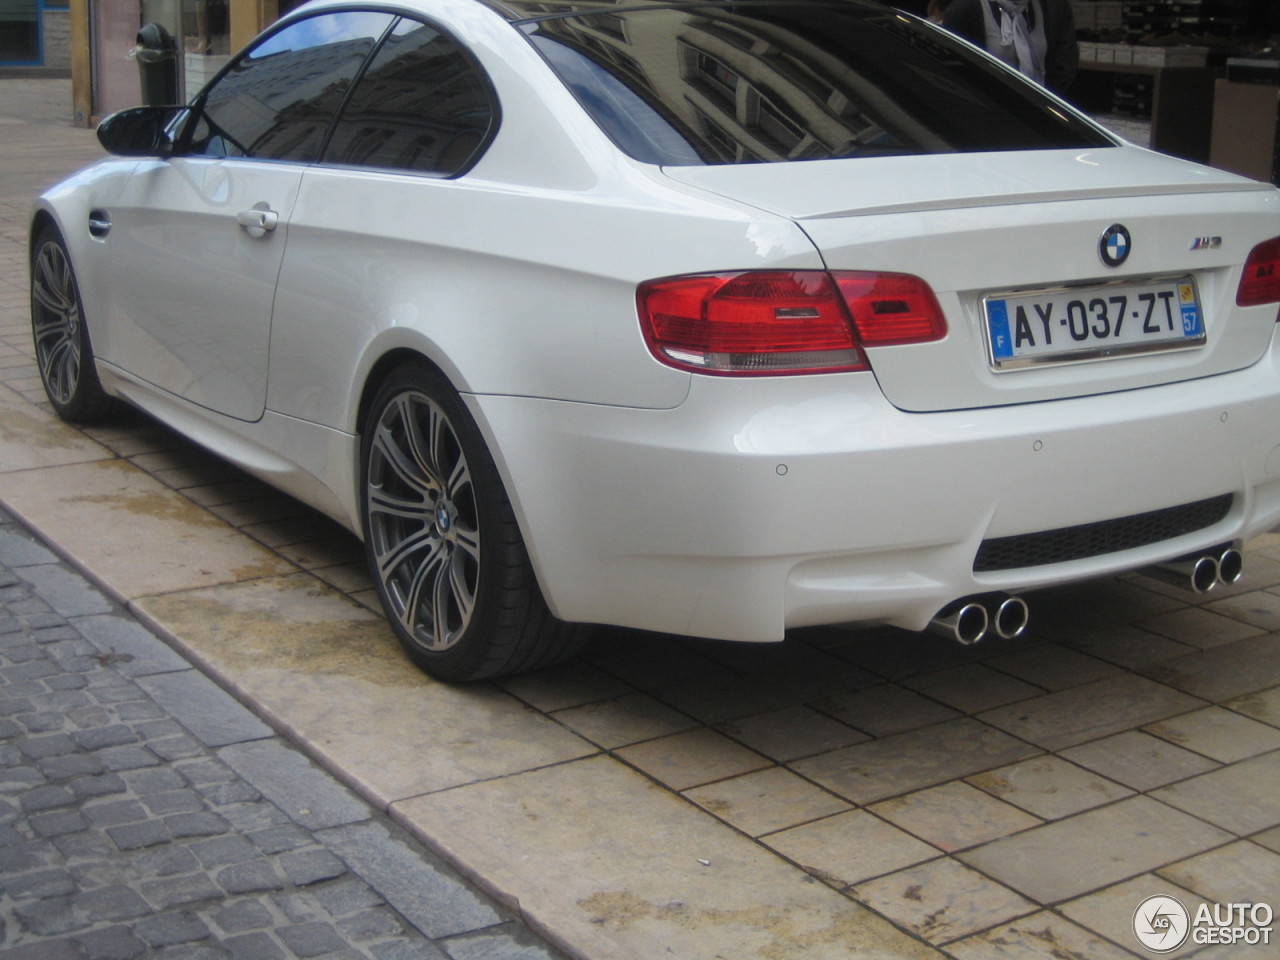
278, 101
422, 105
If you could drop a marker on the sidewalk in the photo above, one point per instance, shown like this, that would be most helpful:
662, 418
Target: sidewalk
849, 794
144, 812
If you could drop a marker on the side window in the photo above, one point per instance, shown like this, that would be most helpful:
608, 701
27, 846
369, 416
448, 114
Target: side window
278, 100
422, 105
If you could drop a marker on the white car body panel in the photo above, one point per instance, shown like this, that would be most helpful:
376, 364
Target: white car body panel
823, 189
313, 463
207, 338
967, 256
966, 241
382, 262
762, 505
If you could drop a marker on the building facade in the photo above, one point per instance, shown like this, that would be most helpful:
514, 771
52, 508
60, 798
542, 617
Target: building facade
35, 34
197, 36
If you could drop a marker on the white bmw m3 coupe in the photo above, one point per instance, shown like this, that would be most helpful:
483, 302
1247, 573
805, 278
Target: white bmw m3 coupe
705, 317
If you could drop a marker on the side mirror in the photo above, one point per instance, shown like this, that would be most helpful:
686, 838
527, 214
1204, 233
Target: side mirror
138, 132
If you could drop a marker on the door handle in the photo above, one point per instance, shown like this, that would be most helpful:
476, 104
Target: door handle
258, 220
99, 223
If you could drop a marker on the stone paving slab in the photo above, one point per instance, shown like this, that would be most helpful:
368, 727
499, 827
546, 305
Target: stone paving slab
1138, 760
853, 792
1049, 787
898, 764
943, 900
31, 437
137, 535
329, 671
1040, 936
1110, 911
1093, 848
662, 880
1240, 872
954, 816
1067, 717
1241, 797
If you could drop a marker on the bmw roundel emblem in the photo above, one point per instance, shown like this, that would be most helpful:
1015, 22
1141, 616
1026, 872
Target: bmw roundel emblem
1115, 245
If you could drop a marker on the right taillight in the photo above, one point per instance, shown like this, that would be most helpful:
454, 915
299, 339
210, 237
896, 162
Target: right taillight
772, 322
1260, 283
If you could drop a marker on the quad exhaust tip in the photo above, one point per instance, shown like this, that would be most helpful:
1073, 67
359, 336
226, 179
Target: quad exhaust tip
965, 622
1230, 566
1010, 617
1200, 573
969, 621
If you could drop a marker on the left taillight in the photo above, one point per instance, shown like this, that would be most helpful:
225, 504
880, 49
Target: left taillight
1260, 282
760, 323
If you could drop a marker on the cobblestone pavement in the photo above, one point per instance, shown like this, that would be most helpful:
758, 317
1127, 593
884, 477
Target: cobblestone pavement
145, 812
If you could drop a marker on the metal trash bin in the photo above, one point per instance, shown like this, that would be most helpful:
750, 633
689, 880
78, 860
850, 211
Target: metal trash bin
157, 56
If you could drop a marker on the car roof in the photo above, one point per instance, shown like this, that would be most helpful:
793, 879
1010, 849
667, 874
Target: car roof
525, 10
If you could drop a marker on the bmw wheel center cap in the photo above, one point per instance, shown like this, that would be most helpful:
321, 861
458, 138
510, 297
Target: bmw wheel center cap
1115, 245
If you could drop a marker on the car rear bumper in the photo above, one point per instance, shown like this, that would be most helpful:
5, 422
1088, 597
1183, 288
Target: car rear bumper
760, 505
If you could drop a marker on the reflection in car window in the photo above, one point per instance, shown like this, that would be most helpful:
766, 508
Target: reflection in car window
639, 129
278, 100
421, 105
726, 83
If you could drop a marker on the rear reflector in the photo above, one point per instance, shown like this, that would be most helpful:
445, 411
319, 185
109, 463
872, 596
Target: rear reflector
1260, 282
783, 321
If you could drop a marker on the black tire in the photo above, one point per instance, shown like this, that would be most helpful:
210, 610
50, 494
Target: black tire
443, 545
63, 350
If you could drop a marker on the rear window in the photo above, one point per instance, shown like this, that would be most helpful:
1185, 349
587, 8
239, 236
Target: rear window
752, 82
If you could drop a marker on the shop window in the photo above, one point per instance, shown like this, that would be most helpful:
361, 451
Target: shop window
19, 31
206, 27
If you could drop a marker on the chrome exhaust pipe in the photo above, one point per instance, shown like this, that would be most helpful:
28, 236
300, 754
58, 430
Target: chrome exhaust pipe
964, 621
1009, 615
1197, 574
1230, 566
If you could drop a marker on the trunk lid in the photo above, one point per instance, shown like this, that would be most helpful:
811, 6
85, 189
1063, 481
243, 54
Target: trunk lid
997, 227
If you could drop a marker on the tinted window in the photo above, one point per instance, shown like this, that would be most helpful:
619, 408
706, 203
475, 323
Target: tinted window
278, 100
421, 105
748, 82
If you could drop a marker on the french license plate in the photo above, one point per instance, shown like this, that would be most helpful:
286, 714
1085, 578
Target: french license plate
1073, 324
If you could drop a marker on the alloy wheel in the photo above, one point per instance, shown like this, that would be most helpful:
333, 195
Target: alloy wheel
56, 320
423, 521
